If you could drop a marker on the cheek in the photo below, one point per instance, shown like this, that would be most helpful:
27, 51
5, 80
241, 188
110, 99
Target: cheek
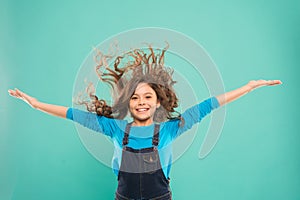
132, 104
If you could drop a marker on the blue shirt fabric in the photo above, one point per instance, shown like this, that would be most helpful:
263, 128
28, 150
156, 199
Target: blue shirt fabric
141, 136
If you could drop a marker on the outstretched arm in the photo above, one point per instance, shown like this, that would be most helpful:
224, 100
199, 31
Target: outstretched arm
59, 111
235, 94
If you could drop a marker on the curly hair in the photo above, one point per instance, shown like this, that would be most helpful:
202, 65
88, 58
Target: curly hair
140, 66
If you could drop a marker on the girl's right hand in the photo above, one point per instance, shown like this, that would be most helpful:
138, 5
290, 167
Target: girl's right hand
23, 96
56, 110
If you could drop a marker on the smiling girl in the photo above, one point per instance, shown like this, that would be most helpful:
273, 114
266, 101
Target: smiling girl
144, 89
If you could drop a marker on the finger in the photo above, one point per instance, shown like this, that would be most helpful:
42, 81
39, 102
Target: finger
19, 93
277, 82
274, 82
23, 95
12, 93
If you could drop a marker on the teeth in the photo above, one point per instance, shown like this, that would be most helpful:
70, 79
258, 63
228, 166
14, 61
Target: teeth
142, 109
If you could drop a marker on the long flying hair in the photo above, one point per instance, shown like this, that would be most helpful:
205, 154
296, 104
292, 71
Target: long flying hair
128, 70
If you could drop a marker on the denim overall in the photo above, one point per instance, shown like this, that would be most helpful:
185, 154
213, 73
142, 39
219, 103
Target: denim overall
140, 176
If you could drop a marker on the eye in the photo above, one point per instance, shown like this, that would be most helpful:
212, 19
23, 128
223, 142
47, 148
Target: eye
134, 98
148, 97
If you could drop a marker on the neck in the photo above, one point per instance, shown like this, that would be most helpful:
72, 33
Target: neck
142, 123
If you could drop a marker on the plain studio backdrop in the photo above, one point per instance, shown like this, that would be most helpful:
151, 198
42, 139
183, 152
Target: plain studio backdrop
43, 43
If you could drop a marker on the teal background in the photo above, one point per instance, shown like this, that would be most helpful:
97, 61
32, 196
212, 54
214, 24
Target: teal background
43, 43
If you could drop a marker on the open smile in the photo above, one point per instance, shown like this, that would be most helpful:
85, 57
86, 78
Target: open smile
142, 109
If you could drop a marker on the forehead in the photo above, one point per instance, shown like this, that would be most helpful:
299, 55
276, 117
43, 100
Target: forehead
143, 88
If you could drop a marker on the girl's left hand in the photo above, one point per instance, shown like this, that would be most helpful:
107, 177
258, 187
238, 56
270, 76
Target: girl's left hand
259, 83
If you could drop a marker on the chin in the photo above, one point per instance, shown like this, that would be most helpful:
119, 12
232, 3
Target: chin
142, 119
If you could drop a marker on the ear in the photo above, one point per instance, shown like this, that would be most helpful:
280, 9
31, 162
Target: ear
157, 104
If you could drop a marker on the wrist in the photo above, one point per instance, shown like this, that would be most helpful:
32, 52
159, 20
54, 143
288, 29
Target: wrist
248, 88
35, 104
251, 86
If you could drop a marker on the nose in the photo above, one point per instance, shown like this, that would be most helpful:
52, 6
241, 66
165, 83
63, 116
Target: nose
141, 102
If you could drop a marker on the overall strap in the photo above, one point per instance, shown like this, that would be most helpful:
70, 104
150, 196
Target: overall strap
155, 139
126, 134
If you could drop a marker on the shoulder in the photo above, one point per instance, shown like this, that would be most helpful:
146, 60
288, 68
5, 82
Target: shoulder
170, 125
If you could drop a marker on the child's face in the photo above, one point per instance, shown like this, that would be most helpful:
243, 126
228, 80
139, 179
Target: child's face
143, 104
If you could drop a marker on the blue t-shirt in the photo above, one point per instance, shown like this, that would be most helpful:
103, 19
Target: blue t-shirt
141, 136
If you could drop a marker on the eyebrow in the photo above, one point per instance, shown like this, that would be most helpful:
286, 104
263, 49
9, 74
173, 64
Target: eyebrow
147, 93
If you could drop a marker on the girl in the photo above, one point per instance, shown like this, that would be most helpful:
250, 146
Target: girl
144, 89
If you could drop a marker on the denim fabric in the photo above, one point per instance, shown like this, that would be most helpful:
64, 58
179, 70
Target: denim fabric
167, 196
140, 176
